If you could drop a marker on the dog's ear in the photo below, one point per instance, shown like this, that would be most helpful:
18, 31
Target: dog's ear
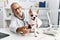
37, 11
30, 11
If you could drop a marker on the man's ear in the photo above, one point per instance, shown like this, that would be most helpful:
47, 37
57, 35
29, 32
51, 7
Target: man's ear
30, 11
37, 11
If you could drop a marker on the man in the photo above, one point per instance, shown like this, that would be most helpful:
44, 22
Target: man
18, 21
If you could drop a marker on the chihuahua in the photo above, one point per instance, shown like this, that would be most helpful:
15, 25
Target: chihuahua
35, 22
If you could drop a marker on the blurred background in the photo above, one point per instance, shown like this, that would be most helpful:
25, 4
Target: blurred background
44, 7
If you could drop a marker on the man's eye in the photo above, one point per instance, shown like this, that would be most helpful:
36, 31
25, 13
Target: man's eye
31, 15
17, 8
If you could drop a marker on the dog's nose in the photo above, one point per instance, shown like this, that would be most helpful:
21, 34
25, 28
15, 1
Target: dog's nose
34, 18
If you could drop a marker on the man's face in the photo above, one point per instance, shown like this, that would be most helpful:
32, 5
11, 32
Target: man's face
17, 9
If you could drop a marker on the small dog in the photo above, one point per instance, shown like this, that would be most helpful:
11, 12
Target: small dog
35, 22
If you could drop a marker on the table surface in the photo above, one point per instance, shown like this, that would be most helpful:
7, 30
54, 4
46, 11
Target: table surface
30, 36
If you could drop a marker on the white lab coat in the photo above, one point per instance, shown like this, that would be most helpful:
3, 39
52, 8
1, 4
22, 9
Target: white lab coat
15, 23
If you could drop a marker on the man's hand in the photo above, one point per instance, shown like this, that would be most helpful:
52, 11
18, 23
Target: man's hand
24, 30
20, 29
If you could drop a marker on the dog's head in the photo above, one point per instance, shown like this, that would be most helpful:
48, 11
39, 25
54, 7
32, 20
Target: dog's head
32, 14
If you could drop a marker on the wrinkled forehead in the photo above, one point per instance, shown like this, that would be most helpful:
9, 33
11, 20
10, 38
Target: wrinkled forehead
14, 6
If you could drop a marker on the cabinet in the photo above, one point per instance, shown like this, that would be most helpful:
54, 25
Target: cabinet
7, 18
43, 16
59, 14
1, 14
59, 17
1, 17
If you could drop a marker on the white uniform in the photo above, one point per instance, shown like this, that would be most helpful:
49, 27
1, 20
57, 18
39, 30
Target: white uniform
15, 23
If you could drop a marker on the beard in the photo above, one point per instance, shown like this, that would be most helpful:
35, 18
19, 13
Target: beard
20, 15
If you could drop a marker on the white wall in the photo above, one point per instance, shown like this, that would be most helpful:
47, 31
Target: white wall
25, 4
1, 14
54, 5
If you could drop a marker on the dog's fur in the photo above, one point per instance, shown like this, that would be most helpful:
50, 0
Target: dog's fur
34, 21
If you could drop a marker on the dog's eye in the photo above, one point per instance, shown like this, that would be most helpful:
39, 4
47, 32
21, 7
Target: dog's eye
31, 15
36, 15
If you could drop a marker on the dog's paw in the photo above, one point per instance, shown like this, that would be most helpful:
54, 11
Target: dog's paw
37, 32
24, 34
35, 35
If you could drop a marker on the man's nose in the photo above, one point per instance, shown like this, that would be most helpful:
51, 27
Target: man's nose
17, 10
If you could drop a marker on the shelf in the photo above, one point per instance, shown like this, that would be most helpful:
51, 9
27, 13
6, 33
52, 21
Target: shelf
59, 10
8, 18
43, 17
8, 8
37, 8
29, 8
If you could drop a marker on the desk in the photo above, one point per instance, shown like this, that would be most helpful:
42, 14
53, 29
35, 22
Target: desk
30, 36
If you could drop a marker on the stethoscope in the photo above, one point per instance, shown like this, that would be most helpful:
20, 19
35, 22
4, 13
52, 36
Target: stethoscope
22, 19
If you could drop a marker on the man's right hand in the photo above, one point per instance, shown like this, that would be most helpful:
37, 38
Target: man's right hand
24, 30
20, 29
